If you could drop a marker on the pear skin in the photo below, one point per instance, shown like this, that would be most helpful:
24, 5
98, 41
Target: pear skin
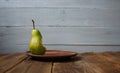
35, 46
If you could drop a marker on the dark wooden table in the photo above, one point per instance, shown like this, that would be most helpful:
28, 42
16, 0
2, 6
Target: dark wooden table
90, 62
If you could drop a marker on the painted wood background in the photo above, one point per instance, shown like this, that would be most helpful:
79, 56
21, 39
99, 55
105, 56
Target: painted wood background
77, 25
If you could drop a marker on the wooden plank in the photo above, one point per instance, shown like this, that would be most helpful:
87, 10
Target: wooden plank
60, 17
60, 3
68, 67
9, 61
2, 55
76, 66
32, 66
88, 63
112, 57
73, 38
81, 49
104, 64
22, 35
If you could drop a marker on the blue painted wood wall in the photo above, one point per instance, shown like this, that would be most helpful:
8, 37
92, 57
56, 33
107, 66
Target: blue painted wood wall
75, 25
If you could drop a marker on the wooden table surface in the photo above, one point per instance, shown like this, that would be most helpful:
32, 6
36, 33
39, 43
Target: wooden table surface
90, 62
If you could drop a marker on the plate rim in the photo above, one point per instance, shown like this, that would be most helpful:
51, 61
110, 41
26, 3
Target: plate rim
70, 54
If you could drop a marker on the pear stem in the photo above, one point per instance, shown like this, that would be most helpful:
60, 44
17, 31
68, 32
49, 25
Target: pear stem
33, 24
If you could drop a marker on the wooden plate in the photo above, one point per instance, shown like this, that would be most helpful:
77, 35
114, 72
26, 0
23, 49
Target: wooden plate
53, 55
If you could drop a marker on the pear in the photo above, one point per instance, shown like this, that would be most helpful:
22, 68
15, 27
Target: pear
35, 46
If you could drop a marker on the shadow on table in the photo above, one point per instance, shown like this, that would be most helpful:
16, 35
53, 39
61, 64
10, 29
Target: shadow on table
66, 59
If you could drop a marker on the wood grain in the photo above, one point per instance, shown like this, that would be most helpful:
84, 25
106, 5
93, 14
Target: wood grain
30, 66
68, 67
105, 64
90, 63
9, 61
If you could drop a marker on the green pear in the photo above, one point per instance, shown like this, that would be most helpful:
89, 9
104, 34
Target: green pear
35, 46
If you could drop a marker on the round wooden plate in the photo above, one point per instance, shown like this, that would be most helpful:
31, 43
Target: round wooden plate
53, 55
